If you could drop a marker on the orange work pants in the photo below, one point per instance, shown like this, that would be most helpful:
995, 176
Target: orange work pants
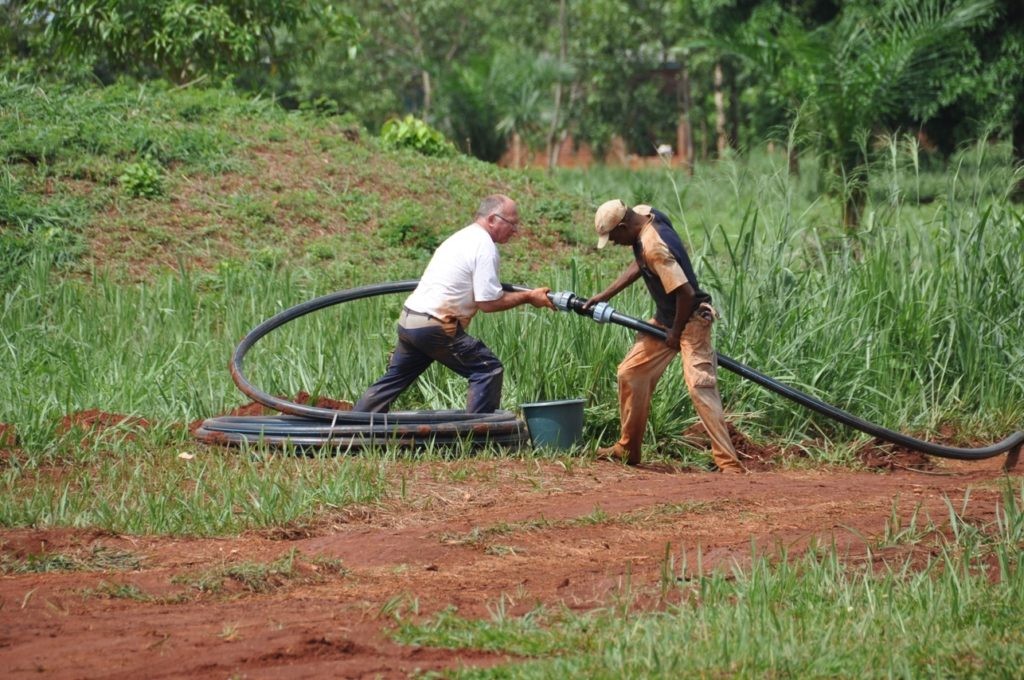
643, 366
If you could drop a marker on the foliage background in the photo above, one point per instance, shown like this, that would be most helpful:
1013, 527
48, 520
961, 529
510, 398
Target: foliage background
737, 72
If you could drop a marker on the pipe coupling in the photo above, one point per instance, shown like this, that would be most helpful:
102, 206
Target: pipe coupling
603, 312
562, 300
566, 301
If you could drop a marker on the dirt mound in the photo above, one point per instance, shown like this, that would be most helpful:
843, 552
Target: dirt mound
94, 422
253, 408
95, 419
23, 543
881, 455
323, 402
753, 455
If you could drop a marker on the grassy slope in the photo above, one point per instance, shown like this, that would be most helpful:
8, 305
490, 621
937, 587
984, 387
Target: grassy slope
256, 208
243, 182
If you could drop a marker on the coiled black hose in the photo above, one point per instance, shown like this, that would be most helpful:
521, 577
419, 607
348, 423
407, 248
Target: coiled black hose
305, 425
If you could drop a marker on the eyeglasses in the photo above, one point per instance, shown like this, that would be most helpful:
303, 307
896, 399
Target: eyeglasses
514, 225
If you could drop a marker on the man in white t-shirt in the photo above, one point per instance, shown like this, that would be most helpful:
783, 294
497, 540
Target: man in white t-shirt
461, 278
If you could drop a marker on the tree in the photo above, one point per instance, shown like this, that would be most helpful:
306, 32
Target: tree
520, 83
15, 29
556, 115
179, 39
852, 74
721, 19
992, 94
1002, 80
626, 62
432, 58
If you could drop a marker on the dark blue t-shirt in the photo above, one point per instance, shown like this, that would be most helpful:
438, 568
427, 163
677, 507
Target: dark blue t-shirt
666, 302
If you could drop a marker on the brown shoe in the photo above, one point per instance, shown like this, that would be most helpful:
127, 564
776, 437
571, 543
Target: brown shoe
612, 453
617, 454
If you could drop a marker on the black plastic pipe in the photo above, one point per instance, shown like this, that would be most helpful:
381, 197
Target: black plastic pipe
304, 424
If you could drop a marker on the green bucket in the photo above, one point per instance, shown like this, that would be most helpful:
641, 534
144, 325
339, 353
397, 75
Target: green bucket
554, 424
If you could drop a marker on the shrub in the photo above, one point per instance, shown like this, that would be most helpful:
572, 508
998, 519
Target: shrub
555, 210
412, 133
268, 257
320, 250
142, 180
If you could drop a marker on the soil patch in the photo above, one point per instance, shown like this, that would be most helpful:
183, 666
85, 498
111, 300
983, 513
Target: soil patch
94, 423
95, 419
881, 455
463, 534
756, 457
323, 402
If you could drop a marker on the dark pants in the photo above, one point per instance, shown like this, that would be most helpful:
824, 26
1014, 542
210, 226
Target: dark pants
447, 343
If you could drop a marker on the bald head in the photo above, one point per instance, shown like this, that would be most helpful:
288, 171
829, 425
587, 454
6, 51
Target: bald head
495, 203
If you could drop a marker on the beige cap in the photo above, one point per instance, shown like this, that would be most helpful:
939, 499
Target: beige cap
607, 217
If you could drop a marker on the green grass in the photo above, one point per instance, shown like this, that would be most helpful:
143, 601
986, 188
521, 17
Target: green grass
291, 568
214, 176
117, 591
913, 322
254, 577
145, 230
129, 489
819, 615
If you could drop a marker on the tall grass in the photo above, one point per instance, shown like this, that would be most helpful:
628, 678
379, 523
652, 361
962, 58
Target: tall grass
908, 322
818, 615
912, 322
912, 326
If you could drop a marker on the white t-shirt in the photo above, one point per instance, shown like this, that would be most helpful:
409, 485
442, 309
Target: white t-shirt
462, 272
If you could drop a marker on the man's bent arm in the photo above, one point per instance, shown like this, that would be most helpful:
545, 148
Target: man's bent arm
626, 278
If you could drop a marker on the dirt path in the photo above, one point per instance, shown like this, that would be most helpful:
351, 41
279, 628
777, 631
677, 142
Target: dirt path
518, 532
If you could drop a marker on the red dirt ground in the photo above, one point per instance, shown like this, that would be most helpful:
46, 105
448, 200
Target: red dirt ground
433, 548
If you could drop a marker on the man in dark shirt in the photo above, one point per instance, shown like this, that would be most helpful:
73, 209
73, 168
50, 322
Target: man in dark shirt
686, 314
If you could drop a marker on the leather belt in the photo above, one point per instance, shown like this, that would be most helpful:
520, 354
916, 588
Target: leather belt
410, 318
415, 313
